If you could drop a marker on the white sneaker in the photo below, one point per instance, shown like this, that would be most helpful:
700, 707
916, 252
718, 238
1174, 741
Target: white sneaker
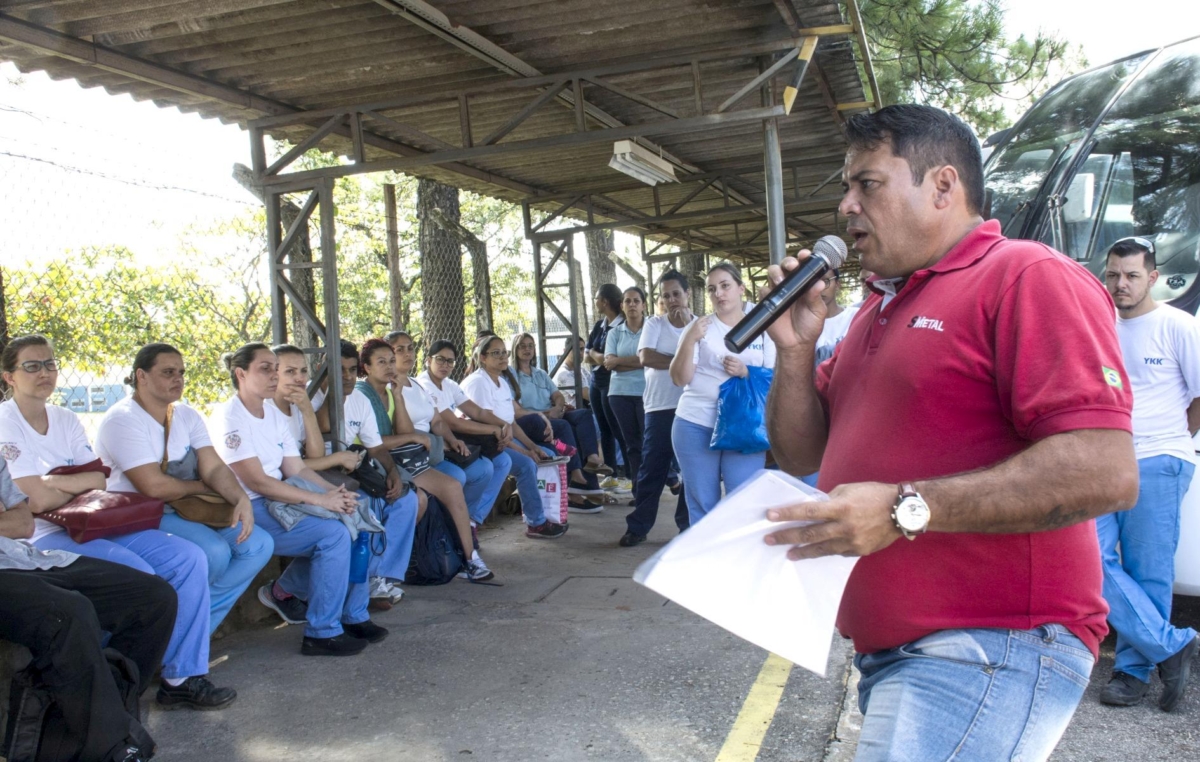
384, 588
476, 570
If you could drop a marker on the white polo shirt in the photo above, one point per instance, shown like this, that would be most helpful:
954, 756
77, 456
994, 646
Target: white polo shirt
495, 397
663, 337
238, 435
129, 438
1161, 350
29, 453
698, 403
448, 397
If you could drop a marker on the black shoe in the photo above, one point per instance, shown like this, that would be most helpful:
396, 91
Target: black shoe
1174, 673
339, 645
629, 539
368, 631
584, 505
1123, 690
195, 693
291, 610
132, 754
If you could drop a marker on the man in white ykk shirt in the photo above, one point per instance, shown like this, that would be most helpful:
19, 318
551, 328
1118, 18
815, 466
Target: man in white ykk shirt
1161, 349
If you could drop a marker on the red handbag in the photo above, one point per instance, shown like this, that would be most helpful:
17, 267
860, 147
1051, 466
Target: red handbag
97, 514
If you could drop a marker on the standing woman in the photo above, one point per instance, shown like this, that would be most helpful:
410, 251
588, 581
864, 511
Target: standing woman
628, 382
488, 388
36, 438
255, 440
133, 441
700, 366
449, 398
397, 420
608, 306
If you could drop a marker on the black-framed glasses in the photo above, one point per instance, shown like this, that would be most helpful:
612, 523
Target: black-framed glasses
443, 360
1137, 240
35, 366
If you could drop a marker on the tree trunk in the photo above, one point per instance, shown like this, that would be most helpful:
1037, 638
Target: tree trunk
601, 268
442, 296
692, 266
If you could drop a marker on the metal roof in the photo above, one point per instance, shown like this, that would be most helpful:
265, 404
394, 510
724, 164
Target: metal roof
409, 71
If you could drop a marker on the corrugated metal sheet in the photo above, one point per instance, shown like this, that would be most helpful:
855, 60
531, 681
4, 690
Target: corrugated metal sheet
316, 54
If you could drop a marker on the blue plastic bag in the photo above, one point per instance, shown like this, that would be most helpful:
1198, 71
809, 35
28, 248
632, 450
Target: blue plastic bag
741, 413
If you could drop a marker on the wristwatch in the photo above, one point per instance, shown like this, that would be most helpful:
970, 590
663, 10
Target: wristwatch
911, 512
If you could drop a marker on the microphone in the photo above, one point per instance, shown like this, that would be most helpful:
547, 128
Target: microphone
828, 253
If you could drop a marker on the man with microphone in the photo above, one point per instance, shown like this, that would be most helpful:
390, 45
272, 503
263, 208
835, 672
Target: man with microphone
968, 429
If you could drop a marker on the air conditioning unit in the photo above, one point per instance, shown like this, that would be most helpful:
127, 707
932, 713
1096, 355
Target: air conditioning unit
641, 163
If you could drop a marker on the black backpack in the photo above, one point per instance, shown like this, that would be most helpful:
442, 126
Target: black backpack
437, 553
36, 730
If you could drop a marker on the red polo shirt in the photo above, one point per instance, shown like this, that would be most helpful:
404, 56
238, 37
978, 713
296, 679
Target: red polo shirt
998, 345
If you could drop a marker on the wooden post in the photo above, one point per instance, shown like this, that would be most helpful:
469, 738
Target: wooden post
395, 297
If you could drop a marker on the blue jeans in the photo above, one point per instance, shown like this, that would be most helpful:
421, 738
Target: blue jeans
319, 572
610, 435
481, 482
703, 469
535, 428
177, 561
232, 566
524, 470
1137, 584
971, 694
657, 456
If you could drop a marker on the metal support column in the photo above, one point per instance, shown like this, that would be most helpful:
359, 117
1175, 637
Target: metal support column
563, 254
274, 205
773, 162
329, 294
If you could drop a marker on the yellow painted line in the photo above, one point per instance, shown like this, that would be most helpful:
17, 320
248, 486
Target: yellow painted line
750, 727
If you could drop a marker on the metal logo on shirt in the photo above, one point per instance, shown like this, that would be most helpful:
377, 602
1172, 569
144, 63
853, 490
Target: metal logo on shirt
928, 323
10, 451
232, 440
1112, 377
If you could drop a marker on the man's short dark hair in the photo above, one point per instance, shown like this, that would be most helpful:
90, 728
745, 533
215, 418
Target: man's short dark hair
349, 350
1127, 247
676, 276
925, 137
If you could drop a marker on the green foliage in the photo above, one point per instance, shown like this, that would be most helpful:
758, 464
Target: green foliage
954, 54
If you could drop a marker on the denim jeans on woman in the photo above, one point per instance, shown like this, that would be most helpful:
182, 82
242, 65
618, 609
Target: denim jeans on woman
524, 470
703, 469
971, 694
1138, 583
628, 412
610, 435
657, 457
535, 428
481, 482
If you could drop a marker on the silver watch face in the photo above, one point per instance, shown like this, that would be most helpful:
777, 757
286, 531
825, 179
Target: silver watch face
912, 514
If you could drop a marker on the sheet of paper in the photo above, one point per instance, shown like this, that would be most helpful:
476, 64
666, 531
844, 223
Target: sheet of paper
722, 570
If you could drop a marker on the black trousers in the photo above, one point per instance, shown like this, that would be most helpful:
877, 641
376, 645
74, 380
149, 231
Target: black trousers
60, 615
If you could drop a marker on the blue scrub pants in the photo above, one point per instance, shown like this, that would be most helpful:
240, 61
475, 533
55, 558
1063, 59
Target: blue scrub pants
180, 563
704, 469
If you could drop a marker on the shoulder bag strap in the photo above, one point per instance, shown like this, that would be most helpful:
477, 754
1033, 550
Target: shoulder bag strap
167, 437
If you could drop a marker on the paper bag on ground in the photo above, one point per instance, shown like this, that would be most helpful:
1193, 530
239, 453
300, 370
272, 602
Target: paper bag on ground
722, 570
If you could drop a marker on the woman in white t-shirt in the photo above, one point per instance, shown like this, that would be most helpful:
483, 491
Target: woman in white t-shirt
291, 398
407, 419
448, 398
35, 439
133, 442
493, 397
701, 364
255, 440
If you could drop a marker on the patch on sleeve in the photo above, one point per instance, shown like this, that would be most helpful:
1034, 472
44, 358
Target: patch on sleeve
1112, 377
232, 440
10, 451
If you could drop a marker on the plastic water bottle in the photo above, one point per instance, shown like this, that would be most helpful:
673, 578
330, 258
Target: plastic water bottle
360, 557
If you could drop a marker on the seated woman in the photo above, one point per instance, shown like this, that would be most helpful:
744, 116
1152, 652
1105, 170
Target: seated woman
447, 398
397, 429
488, 388
254, 439
536, 393
37, 438
483, 478
159, 447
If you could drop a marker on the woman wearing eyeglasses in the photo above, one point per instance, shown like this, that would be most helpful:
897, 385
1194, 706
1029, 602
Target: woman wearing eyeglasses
488, 388
36, 438
447, 396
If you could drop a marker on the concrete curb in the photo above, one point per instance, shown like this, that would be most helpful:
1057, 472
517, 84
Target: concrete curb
844, 743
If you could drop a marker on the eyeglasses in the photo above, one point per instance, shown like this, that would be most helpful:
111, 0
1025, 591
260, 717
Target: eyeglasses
1145, 243
497, 353
443, 360
34, 366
